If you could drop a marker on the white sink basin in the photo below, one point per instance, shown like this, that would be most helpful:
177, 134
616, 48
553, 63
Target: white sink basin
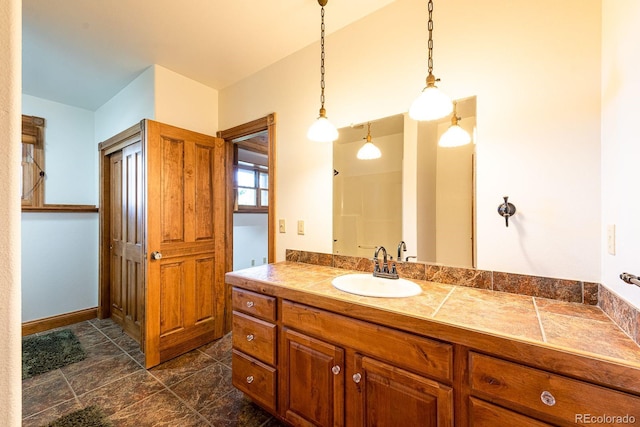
370, 286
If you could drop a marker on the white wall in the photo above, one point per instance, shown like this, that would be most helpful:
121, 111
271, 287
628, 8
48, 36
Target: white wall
10, 124
59, 263
60, 250
186, 103
535, 69
250, 240
133, 103
620, 146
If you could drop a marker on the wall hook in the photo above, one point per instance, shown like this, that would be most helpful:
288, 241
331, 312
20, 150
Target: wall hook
506, 210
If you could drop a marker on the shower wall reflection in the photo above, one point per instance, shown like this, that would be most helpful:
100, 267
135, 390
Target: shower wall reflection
415, 192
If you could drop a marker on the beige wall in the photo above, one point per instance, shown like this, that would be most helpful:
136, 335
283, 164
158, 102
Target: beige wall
10, 85
620, 144
535, 68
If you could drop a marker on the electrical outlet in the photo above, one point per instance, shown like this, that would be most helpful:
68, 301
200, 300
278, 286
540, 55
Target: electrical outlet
300, 227
611, 239
281, 226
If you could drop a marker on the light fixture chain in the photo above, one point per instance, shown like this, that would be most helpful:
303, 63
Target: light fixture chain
430, 42
322, 58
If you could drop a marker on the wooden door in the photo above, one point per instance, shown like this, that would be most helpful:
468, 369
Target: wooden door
186, 222
389, 396
126, 240
314, 381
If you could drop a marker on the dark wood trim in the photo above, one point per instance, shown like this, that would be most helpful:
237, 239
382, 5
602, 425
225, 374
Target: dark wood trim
52, 322
249, 128
61, 208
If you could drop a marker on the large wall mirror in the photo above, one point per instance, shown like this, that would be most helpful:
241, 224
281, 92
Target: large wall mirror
416, 191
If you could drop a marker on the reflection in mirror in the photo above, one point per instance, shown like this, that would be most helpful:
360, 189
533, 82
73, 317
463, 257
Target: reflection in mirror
415, 192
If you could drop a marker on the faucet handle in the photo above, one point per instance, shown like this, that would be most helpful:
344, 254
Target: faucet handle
393, 268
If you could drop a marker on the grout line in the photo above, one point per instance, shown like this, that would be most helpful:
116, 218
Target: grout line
443, 301
535, 305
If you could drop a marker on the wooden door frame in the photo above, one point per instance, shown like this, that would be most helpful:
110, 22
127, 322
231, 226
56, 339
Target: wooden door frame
267, 123
114, 144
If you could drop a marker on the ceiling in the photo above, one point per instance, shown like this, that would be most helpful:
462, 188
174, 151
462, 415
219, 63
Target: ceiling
82, 52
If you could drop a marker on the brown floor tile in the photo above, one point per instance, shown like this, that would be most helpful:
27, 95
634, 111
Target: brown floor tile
220, 349
102, 373
122, 393
87, 334
45, 417
181, 367
162, 409
46, 394
234, 409
95, 354
205, 387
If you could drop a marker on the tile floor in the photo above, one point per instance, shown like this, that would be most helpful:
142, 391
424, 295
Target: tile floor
191, 390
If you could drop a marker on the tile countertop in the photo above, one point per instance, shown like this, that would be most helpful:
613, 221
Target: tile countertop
569, 327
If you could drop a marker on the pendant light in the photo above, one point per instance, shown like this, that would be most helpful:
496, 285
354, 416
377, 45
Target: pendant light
455, 136
432, 104
322, 130
369, 151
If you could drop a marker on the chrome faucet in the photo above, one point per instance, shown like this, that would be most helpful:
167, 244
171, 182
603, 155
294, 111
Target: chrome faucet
402, 246
384, 272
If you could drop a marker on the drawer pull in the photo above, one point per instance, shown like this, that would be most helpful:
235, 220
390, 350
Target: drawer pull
249, 379
547, 398
335, 370
356, 378
249, 304
250, 337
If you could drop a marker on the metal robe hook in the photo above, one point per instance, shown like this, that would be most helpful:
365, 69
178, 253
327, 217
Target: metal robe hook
506, 210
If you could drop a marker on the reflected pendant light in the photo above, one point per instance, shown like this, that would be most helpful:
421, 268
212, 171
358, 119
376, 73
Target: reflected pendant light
369, 151
432, 104
322, 130
455, 136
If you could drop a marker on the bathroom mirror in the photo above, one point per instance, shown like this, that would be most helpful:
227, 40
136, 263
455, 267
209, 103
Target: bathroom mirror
416, 191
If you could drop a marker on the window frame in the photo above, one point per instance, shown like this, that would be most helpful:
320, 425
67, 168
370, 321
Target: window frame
33, 136
257, 170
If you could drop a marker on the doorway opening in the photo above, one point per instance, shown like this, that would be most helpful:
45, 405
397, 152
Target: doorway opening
252, 191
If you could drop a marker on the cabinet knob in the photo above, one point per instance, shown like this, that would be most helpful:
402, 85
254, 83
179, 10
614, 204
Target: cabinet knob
547, 398
249, 304
250, 337
356, 378
335, 370
249, 379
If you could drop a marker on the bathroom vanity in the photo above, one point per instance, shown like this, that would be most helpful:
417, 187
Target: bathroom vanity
314, 355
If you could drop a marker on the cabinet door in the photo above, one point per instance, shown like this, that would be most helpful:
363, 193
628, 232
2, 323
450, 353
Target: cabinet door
313, 386
389, 396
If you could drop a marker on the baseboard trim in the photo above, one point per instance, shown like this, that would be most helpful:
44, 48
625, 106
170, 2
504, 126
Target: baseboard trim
39, 325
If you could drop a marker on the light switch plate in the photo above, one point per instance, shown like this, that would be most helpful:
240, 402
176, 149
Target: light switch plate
300, 227
611, 239
281, 226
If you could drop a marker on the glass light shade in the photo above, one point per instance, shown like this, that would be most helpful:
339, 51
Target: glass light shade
455, 136
368, 152
322, 130
432, 104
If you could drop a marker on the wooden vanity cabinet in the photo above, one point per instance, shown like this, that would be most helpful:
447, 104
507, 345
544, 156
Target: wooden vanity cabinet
254, 342
543, 395
312, 373
341, 371
313, 367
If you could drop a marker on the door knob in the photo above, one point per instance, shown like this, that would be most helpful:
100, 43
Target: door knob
156, 255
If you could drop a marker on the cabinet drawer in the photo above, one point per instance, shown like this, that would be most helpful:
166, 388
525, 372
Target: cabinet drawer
255, 304
412, 352
544, 394
254, 337
483, 414
254, 378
